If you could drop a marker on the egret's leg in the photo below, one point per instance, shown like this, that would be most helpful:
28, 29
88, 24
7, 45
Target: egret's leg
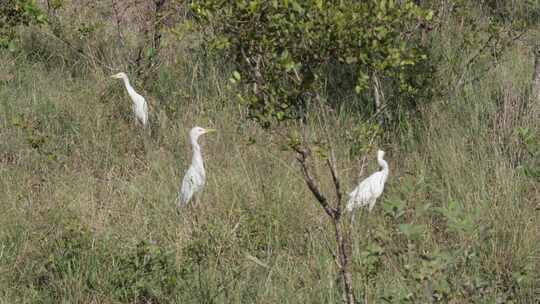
193, 204
362, 216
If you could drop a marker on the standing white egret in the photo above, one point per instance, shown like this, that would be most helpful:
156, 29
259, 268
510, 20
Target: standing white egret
195, 177
367, 192
140, 108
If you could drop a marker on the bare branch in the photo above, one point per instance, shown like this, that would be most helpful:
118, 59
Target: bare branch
342, 242
303, 154
331, 163
348, 292
342, 259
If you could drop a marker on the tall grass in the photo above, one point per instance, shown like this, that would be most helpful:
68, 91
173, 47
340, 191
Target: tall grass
88, 198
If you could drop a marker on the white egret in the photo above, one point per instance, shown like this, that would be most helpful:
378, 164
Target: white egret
367, 192
195, 177
140, 108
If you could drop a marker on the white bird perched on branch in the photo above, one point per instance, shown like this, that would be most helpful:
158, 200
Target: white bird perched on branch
195, 177
367, 192
140, 108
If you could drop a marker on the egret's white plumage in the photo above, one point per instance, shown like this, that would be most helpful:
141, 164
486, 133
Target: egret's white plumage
140, 108
367, 192
195, 177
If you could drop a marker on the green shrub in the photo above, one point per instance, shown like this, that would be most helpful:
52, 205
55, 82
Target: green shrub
14, 13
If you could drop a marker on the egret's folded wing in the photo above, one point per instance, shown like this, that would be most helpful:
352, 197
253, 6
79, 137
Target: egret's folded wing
187, 190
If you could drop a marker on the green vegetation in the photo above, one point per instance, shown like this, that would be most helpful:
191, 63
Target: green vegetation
14, 13
287, 51
88, 199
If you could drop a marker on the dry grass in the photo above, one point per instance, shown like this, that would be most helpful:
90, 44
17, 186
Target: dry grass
82, 189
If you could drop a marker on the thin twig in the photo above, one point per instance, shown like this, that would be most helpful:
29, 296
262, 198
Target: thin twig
331, 163
302, 155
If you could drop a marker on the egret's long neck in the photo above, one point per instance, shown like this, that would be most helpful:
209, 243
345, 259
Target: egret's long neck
384, 165
129, 88
197, 159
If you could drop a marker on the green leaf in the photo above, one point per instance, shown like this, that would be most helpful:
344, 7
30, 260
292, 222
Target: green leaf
429, 15
253, 5
319, 4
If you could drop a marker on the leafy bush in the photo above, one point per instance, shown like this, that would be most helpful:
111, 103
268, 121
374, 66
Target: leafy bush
14, 13
284, 51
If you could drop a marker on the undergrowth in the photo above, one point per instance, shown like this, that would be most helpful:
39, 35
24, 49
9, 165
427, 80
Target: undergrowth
88, 213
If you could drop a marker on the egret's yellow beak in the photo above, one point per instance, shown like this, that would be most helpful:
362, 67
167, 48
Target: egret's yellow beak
210, 130
116, 75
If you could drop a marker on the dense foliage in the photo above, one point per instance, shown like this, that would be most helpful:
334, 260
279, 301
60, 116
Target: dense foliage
14, 13
286, 51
